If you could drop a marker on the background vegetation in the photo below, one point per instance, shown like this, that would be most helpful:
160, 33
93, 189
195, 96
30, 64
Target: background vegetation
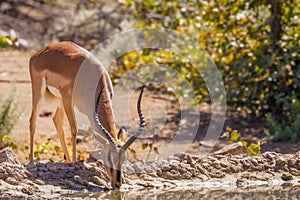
255, 44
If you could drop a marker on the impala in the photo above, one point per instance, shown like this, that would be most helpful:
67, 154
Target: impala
54, 70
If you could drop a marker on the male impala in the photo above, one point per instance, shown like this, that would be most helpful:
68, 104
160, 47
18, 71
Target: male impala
56, 69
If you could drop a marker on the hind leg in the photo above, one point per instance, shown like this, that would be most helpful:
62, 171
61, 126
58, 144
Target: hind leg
58, 120
69, 110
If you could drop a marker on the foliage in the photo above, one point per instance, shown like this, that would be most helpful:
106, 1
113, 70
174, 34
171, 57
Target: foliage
7, 141
7, 41
287, 129
254, 43
86, 22
252, 149
42, 148
8, 113
150, 147
234, 135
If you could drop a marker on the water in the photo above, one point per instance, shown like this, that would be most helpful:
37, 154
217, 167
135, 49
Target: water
284, 191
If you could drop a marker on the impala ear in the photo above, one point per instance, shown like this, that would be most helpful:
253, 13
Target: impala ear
123, 133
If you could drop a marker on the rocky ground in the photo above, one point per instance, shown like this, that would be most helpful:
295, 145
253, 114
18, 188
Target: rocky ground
80, 179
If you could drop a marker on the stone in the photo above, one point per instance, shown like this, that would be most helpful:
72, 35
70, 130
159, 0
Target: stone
286, 177
39, 182
28, 190
99, 181
138, 167
166, 168
159, 172
69, 184
11, 181
281, 161
233, 149
8, 155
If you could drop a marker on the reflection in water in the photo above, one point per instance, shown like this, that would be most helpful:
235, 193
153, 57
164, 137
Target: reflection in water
285, 191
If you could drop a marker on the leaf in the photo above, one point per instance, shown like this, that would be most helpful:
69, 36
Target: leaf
225, 134
144, 145
244, 144
235, 135
228, 129
132, 151
253, 149
56, 149
5, 138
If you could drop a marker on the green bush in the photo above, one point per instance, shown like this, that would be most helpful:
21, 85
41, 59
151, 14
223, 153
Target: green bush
255, 44
8, 115
288, 128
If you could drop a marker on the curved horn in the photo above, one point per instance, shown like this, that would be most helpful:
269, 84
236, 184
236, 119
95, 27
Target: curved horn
98, 123
142, 123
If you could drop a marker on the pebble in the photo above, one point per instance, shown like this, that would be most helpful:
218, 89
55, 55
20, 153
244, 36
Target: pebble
281, 161
28, 190
138, 167
166, 168
99, 181
39, 182
286, 177
11, 181
69, 183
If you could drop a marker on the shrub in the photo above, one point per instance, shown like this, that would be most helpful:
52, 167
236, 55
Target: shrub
8, 115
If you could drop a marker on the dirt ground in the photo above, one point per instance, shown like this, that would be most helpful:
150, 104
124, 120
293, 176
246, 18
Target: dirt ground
157, 106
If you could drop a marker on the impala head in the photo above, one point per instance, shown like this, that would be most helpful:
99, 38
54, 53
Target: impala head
115, 154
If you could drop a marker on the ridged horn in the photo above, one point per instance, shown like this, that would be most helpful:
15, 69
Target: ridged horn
142, 123
98, 123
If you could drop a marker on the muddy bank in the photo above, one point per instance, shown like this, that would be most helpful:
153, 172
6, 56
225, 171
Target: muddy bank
64, 180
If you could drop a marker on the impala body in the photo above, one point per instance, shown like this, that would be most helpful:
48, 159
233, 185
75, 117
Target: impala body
65, 70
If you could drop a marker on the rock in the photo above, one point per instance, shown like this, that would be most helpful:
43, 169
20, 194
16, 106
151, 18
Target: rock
270, 155
99, 181
170, 175
28, 190
187, 175
138, 167
3, 175
216, 165
180, 156
8, 155
294, 172
292, 162
39, 182
80, 180
217, 174
69, 184
233, 149
173, 166
254, 161
166, 168
287, 177
190, 160
11, 181
128, 169
159, 172
281, 161
205, 165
